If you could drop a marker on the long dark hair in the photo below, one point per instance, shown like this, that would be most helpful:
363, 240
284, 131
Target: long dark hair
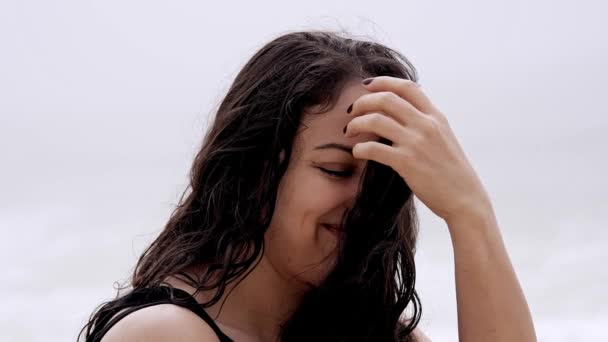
222, 216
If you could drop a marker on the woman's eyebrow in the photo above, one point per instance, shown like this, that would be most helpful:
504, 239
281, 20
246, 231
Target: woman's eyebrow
337, 146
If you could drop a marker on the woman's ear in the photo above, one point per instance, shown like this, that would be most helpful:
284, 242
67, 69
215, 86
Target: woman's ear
281, 155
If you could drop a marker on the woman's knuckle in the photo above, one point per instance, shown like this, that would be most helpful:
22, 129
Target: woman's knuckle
387, 96
409, 83
375, 118
430, 127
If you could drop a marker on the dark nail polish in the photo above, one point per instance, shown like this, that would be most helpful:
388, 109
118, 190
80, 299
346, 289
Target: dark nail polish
349, 108
367, 81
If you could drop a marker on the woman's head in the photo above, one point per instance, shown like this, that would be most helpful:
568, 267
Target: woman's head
318, 187
269, 176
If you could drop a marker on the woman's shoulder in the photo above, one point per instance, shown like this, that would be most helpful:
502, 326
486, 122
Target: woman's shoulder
161, 323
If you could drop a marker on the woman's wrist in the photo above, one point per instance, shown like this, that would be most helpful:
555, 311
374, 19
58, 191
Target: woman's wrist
474, 228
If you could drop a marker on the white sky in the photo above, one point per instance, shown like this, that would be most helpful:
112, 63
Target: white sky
103, 104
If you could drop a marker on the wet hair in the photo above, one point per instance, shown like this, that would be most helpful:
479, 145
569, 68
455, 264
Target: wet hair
220, 220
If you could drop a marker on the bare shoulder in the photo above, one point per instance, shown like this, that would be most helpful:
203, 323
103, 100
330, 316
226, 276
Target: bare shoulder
161, 323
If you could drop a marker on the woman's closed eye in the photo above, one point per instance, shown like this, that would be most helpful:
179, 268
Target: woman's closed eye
337, 173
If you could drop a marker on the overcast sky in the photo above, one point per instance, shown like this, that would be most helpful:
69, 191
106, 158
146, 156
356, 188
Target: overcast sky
103, 104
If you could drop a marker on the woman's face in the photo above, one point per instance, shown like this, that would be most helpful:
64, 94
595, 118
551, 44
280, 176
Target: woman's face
319, 185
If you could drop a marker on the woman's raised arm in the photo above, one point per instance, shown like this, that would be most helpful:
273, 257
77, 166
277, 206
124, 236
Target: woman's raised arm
425, 152
491, 303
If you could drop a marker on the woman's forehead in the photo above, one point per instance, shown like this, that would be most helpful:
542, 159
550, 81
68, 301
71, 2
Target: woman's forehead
326, 127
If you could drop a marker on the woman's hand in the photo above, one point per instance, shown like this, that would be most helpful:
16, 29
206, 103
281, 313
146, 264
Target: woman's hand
424, 150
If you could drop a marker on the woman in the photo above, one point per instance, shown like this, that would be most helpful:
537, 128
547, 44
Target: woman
299, 223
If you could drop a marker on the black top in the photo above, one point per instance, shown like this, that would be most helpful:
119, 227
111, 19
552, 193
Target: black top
148, 296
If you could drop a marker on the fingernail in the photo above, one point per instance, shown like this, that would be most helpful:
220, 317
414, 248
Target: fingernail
368, 81
349, 108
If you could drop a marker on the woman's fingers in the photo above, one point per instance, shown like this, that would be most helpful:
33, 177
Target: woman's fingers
376, 151
378, 124
389, 104
408, 90
424, 150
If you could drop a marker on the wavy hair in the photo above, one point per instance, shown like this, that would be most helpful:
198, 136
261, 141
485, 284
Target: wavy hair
221, 218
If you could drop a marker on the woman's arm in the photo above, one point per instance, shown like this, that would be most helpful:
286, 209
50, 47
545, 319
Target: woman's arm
491, 303
426, 153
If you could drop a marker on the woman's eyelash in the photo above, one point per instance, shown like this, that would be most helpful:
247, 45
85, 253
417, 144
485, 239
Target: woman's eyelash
341, 174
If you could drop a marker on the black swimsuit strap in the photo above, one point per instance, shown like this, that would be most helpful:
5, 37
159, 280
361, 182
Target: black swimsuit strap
149, 296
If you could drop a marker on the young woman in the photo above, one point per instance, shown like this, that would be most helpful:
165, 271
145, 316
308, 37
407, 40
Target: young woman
299, 223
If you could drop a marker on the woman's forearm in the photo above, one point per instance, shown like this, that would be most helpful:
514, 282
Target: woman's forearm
491, 303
